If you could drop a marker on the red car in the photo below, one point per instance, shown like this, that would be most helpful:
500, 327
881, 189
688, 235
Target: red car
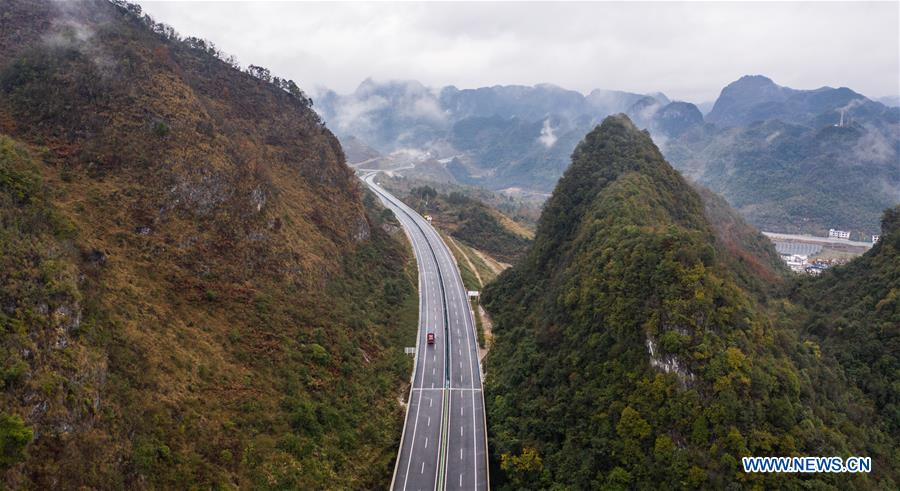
430, 338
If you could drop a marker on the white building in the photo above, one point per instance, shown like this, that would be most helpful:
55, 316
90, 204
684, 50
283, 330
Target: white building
838, 234
796, 262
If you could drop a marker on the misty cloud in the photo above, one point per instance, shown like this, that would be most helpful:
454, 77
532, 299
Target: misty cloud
354, 113
547, 138
647, 113
424, 108
853, 104
687, 50
874, 146
69, 33
358, 110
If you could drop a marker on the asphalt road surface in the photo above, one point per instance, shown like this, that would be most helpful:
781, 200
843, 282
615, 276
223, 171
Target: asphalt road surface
444, 444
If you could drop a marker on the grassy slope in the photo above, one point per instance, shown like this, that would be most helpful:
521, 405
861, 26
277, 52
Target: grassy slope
212, 304
475, 218
484, 270
472, 279
471, 221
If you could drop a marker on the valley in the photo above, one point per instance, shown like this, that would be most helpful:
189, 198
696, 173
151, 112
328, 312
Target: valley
440, 388
219, 271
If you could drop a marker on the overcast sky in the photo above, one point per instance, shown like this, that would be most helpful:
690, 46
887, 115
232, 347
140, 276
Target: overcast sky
687, 50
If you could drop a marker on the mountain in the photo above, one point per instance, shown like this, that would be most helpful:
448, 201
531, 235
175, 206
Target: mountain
854, 313
642, 343
755, 98
194, 290
498, 137
739, 99
613, 101
801, 171
890, 100
530, 148
357, 151
667, 120
399, 113
512, 152
386, 115
535, 152
756, 265
677, 117
507, 101
789, 160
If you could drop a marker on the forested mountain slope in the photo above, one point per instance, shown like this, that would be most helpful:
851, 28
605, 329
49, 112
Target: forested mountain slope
854, 312
634, 349
192, 290
796, 160
754, 98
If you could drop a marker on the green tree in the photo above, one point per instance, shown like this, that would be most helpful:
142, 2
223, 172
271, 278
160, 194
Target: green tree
14, 437
632, 426
522, 468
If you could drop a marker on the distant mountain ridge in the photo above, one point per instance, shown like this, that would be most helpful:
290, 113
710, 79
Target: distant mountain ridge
665, 120
788, 159
796, 160
529, 103
499, 137
755, 98
394, 113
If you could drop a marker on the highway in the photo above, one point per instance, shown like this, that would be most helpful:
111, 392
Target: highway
444, 445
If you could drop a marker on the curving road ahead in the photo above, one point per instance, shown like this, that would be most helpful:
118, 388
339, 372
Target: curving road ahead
444, 445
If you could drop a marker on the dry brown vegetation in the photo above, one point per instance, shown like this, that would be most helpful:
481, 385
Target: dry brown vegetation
212, 304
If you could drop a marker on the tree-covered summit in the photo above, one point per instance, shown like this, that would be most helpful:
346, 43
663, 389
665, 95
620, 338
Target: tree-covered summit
636, 346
